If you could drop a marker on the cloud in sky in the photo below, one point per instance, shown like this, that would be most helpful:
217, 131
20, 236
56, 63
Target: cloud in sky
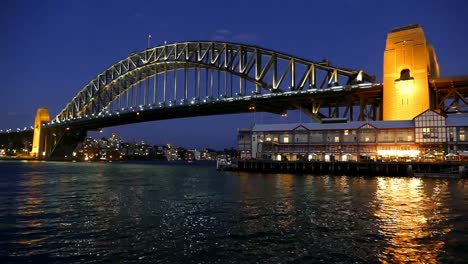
223, 31
227, 35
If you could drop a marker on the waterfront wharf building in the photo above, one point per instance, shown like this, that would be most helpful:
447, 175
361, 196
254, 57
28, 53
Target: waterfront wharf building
411, 124
430, 136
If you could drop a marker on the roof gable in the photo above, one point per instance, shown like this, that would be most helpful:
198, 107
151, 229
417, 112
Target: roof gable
300, 128
367, 126
428, 111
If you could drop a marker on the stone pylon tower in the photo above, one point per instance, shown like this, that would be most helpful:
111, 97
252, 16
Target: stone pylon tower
409, 63
38, 147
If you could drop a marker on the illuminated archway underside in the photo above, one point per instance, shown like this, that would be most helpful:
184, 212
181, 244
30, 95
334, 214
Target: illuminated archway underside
267, 70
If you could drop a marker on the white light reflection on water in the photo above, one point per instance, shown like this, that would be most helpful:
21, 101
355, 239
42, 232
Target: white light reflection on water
407, 211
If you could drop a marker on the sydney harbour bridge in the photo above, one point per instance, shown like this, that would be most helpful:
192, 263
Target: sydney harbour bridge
211, 78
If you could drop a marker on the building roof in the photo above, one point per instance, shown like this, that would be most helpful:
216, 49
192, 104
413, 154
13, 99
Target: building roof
457, 120
275, 127
333, 126
393, 124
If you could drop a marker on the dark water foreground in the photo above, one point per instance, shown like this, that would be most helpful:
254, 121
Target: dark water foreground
160, 213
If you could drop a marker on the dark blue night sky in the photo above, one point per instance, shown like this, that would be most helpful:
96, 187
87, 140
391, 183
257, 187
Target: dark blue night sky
51, 49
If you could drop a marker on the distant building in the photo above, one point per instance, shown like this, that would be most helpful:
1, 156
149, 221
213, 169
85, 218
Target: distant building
171, 152
430, 136
244, 139
115, 141
193, 154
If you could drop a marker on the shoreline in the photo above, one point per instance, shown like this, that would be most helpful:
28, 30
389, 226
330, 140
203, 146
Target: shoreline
350, 168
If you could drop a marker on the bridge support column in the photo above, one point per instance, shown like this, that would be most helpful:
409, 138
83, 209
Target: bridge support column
409, 61
39, 149
62, 142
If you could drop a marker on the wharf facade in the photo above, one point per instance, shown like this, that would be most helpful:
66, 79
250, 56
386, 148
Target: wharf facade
429, 137
365, 168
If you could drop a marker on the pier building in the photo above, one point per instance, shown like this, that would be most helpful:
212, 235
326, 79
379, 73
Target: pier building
428, 137
413, 124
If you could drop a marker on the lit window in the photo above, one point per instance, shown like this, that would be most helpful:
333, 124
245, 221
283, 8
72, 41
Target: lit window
426, 132
367, 139
346, 132
410, 138
286, 139
337, 139
275, 139
268, 139
462, 137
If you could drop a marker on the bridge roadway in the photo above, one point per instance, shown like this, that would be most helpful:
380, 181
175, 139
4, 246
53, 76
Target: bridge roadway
277, 103
451, 94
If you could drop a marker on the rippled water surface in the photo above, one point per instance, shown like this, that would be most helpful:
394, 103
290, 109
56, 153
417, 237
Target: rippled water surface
163, 213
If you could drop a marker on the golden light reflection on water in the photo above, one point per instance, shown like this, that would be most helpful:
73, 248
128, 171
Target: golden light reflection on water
405, 214
284, 205
31, 200
30, 210
342, 184
285, 184
31, 242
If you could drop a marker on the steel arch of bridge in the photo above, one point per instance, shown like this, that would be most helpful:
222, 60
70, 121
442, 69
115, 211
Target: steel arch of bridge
222, 64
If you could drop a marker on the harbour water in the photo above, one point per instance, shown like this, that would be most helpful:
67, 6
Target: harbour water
54, 212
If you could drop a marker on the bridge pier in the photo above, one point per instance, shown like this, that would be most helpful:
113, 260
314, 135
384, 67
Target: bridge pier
44, 142
39, 147
62, 141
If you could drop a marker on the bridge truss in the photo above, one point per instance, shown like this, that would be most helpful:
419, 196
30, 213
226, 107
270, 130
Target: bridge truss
183, 75
451, 94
